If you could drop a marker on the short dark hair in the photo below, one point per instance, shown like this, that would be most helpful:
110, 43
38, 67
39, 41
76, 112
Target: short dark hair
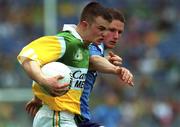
116, 14
93, 10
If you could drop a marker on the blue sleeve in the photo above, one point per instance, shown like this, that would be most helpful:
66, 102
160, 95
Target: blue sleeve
96, 50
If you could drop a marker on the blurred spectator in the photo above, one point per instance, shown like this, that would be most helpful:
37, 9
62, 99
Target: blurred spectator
108, 114
163, 113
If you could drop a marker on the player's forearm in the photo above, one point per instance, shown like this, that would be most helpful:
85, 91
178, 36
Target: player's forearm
101, 64
33, 69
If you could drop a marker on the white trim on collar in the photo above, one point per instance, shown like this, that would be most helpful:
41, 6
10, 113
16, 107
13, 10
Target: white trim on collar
72, 29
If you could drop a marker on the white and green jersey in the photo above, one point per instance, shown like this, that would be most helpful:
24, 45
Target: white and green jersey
68, 48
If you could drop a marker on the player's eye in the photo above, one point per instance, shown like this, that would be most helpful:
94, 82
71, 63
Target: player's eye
120, 32
101, 28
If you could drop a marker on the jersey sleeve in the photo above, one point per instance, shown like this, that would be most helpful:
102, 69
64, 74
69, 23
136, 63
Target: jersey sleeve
96, 50
43, 50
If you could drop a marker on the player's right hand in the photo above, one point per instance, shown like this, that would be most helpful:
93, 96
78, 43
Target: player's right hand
114, 59
54, 87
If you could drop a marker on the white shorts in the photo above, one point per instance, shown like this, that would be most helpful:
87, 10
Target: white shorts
49, 118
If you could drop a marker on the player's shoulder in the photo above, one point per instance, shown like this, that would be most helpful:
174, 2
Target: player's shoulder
96, 49
65, 34
99, 47
68, 37
46, 39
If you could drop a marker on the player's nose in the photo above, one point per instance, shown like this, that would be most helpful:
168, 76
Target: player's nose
116, 35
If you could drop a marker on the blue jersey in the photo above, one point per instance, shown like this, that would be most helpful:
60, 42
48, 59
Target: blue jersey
89, 82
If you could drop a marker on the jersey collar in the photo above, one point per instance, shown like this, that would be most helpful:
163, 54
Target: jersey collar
72, 28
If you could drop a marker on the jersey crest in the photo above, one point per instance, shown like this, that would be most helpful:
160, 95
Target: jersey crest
78, 55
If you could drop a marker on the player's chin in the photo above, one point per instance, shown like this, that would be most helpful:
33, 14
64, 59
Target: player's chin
110, 46
99, 40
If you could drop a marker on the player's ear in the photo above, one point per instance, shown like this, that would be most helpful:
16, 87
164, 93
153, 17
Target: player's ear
84, 24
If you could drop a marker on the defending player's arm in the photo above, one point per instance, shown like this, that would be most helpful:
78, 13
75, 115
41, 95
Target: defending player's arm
123, 72
101, 64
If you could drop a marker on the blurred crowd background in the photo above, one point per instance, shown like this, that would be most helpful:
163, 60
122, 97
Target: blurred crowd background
150, 48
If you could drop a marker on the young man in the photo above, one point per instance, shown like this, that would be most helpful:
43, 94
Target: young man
65, 47
115, 30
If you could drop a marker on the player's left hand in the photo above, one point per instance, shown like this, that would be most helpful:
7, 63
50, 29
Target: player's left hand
125, 75
114, 59
33, 106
